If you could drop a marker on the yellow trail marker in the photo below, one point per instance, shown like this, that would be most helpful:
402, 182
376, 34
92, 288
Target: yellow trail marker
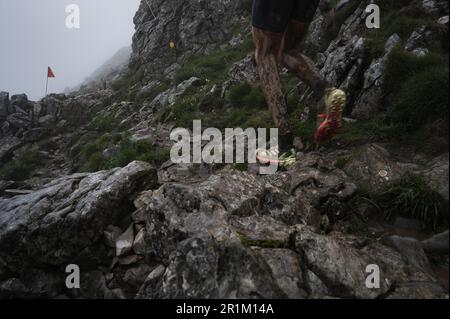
172, 45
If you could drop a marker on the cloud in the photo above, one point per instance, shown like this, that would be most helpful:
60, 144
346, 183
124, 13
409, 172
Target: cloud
33, 35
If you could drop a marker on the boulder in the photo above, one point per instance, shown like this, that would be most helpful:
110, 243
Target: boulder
437, 244
435, 7
412, 252
4, 105
169, 97
372, 164
368, 103
20, 102
54, 224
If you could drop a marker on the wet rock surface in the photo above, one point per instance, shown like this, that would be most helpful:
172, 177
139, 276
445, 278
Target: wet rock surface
201, 240
212, 231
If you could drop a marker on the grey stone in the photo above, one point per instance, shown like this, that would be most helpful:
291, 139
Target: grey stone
124, 242
437, 244
20, 101
170, 96
420, 52
111, 234
412, 252
418, 290
52, 225
139, 242
443, 20
136, 276
316, 286
393, 41
4, 105
341, 265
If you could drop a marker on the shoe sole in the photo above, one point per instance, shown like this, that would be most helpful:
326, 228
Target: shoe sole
335, 109
267, 160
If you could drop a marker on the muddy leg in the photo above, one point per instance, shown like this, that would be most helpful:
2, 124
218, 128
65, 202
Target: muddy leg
267, 47
297, 62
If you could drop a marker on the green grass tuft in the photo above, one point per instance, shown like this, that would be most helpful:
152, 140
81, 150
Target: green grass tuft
214, 66
266, 243
410, 196
125, 152
417, 89
21, 167
244, 95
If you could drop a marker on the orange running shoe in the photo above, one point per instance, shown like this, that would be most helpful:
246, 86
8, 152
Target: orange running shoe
335, 101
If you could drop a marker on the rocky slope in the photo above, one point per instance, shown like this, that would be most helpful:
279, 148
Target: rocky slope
111, 69
84, 178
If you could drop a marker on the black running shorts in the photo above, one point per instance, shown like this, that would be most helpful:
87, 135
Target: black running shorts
274, 15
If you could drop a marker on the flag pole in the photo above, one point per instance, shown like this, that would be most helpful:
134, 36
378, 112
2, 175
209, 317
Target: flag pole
46, 86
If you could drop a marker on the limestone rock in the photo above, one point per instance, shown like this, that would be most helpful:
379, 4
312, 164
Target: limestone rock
124, 242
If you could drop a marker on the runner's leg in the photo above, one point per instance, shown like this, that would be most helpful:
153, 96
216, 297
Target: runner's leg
298, 63
268, 45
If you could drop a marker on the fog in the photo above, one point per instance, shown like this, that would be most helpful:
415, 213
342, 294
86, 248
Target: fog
33, 35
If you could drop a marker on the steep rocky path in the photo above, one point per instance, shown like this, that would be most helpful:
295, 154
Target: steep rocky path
194, 238
85, 178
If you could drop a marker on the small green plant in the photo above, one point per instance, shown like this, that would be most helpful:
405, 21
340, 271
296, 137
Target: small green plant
127, 80
244, 95
129, 151
343, 160
215, 65
246, 108
104, 123
243, 167
417, 88
21, 167
124, 151
266, 243
412, 197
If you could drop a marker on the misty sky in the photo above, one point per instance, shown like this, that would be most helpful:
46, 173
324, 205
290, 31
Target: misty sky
33, 35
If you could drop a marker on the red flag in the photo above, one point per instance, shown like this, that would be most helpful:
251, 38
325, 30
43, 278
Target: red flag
50, 73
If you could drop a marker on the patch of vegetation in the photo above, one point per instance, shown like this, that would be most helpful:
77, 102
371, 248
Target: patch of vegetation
417, 96
21, 167
410, 196
123, 150
417, 88
376, 129
246, 108
104, 123
243, 167
127, 80
215, 65
343, 160
267, 243
124, 84
305, 130
245, 95
152, 93
400, 17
